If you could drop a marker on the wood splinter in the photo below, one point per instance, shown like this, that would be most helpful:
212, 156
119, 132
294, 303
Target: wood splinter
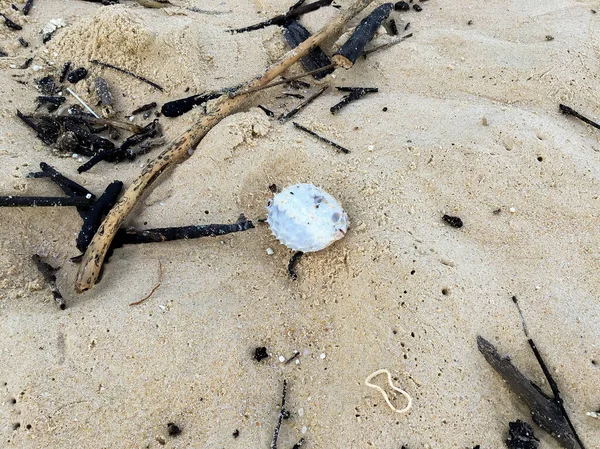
321, 138
185, 145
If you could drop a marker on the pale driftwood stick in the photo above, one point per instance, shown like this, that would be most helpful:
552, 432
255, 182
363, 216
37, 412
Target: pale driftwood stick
184, 146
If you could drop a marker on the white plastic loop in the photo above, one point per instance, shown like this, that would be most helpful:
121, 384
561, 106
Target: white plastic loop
385, 396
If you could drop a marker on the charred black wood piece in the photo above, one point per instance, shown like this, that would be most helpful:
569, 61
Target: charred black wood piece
93, 217
295, 34
353, 48
282, 19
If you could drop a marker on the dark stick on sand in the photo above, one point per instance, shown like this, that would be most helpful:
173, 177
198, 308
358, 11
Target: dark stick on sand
302, 105
43, 201
282, 413
295, 34
27, 7
292, 265
127, 72
48, 272
144, 108
283, 19
10, 24
355, 94
71, 188
545, 411
347, 55
551, 382
93, 218
132, 236
569, 111
321, 138
179, 107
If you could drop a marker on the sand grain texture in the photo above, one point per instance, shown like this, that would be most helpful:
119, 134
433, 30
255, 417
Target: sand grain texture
104, 374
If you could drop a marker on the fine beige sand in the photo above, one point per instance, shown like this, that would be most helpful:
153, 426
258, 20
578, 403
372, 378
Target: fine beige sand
472, 126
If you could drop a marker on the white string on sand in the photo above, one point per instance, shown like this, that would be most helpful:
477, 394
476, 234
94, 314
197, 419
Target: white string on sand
385, 396
90, 110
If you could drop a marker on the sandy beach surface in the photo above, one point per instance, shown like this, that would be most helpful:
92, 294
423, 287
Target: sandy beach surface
466, 123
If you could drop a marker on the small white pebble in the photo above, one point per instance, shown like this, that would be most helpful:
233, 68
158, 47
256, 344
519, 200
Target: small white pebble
37, 68
79, 159
591, 414
304, 429
322, 356
297, 361
270, 252
281, 358
13, 66
75, 156
370, 147
537, 287
88, 196
161, 203
131, 118
512, 210
300, 412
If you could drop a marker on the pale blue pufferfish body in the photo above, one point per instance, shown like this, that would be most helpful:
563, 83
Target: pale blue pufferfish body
306, 218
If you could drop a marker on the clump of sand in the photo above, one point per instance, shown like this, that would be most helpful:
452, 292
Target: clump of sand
112, 34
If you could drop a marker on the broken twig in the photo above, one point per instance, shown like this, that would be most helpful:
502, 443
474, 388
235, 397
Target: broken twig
283, 19
321, 138
302, 105
127, 72
282, 413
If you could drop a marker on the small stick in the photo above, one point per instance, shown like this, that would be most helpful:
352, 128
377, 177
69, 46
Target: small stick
553, 385
27, 7
23, 42
293, 263
355, 94
65, 71
302, 105
185, 145
48, 271
266, 111
71, 188
322, 139
282, 413
83, 103
10, 24
282, 19
160, 278
175, 108
299, 444
569, 111
127, 72
43, 201
347, 55
292, 358
93, 217
144, 108
132, 236
384, 46
280, 82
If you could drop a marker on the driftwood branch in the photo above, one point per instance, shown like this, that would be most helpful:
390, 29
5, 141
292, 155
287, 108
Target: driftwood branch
545, 411
184, 147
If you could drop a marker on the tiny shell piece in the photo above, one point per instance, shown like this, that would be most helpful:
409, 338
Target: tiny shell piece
306, 218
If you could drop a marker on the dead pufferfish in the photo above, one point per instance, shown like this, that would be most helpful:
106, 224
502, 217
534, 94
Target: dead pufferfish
306, 218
